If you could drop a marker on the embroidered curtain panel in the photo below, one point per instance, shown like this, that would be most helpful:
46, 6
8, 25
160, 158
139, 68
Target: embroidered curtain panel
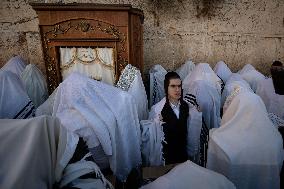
97, 63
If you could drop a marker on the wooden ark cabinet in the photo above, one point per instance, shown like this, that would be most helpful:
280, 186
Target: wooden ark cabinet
90, 25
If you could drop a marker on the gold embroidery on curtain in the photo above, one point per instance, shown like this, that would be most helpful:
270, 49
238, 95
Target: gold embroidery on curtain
96, 60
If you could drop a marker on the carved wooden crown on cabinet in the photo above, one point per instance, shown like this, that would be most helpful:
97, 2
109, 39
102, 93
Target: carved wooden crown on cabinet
90, 25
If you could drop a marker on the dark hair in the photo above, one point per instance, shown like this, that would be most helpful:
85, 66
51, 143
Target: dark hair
277, 63
168, 77
277, 74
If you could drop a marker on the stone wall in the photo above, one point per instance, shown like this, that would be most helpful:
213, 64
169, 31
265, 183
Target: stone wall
235, 31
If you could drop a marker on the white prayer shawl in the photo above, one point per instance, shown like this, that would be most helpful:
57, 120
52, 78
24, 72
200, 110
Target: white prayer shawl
16, 65
247, 148
152, 138
31, 151
131, 81
234, 81
203, 71
194, 124
101, 114
157, 77
222, 70
208, 99
189, 175
274, 103
35, 84
253, 77
14, 101
185, 69
246, 68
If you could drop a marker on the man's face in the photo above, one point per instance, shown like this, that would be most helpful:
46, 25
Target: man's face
174, 89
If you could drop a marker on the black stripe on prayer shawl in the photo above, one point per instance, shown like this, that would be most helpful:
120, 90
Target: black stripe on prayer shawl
222, 84
190, 98
26, 112
204, 137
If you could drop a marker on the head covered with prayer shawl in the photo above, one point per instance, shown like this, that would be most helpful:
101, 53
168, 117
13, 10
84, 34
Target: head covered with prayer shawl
234, 81
16, 65
222, 70
247, 148
203, 71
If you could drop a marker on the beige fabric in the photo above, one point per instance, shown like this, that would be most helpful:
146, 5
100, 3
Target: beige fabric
30, 151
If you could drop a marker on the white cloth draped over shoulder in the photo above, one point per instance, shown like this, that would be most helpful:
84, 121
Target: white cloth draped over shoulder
14, 101
251, 75
234, 81
190, 175
152, 138
157, 75
103, 115
203, 71
35, 84
185, 69
97, 63
208, 99
247, 148
47, 107
31, 151
16, 65
274, 103
131, 81
222, 70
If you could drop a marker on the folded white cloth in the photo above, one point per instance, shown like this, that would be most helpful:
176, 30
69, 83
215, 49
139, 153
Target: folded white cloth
189, 175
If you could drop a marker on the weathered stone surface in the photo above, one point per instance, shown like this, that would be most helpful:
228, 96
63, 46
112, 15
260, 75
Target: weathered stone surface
237, 32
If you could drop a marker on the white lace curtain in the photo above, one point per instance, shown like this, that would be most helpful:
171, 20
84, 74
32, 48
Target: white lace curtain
97, 63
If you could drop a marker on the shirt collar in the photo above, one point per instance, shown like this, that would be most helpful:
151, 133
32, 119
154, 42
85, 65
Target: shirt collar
175, 106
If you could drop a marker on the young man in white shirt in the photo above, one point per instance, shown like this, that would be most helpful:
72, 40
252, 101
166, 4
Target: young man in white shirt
174, 115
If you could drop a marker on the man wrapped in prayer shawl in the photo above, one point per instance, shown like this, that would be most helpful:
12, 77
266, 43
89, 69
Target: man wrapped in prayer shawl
104, 116
37, 155
247, 148
31, 152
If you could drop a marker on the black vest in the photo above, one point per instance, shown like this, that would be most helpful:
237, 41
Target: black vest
175, 130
